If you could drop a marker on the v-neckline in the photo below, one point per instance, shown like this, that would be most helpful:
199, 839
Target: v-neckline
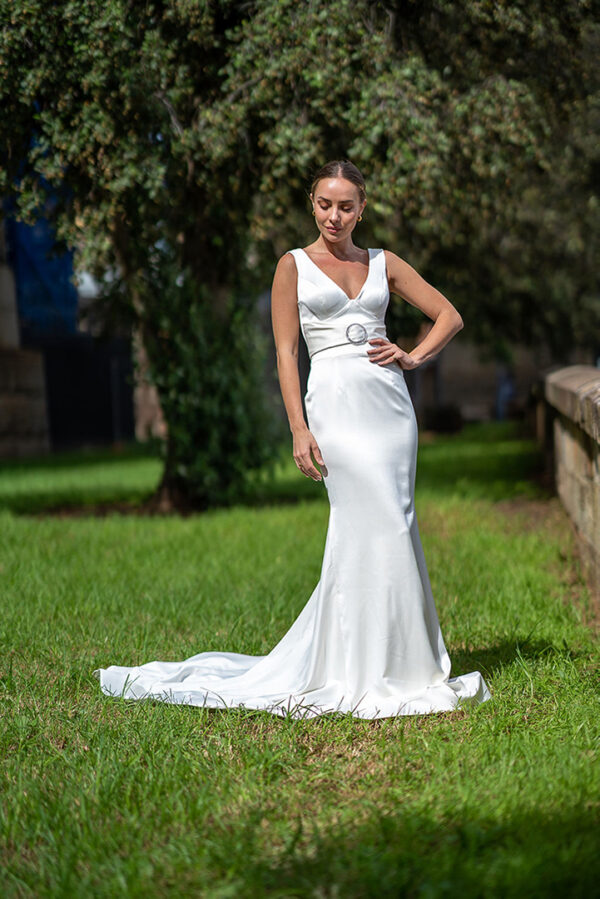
329, 278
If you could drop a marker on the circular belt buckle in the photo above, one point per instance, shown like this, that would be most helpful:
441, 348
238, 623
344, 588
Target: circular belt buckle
357, 333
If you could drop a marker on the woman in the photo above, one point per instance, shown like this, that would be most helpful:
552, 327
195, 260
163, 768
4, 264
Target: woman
368, 641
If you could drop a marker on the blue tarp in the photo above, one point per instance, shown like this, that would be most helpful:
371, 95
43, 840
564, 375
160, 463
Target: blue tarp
46, 298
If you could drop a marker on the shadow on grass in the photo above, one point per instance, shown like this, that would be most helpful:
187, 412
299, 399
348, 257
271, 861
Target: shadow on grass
491, 660
492, 461
458, 853
85, 481
82, 458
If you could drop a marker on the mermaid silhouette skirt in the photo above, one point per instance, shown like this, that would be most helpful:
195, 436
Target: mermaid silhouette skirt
368, 641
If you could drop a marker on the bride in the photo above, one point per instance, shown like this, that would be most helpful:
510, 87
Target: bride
368, 641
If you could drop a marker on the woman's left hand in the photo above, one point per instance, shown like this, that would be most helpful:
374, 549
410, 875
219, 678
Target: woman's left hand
384, 352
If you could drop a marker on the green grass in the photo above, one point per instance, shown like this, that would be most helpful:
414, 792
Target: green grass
104, 798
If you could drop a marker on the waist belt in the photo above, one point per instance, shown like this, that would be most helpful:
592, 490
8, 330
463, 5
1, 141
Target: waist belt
356, 334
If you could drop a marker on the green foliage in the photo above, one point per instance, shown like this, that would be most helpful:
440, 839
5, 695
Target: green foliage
111, 101
481, 158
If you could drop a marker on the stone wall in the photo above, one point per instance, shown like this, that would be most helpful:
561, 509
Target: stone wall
572, 395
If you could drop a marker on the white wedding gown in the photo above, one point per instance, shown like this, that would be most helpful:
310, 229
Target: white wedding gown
368, 640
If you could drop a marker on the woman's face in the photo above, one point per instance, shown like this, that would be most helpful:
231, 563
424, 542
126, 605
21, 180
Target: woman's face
337, 206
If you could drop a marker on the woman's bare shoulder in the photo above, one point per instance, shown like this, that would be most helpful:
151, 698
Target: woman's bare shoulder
286, 272
287, 262
391, 257
399, 269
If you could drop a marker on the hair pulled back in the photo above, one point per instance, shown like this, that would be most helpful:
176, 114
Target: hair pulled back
342, 168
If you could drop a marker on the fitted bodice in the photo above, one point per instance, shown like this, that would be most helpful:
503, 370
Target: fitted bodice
329, 317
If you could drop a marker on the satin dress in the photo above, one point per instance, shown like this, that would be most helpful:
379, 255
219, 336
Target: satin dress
368, 641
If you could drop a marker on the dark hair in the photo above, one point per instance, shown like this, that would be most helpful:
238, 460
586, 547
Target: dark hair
342, 168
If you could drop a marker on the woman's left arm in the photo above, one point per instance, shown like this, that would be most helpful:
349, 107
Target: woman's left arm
405, 281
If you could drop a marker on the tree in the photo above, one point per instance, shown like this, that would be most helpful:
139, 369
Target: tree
183, 133
103, 99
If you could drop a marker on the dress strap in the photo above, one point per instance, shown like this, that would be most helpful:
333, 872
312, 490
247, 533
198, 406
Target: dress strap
380, 269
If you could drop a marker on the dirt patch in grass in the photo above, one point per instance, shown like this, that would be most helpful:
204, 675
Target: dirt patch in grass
533, 514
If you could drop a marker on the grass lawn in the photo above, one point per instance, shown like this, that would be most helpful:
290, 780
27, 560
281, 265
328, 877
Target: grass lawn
108, 798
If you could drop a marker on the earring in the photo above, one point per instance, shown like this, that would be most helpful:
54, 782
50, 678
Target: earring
313, 211
360, 218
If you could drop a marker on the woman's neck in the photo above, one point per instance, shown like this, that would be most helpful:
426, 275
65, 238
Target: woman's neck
341, 250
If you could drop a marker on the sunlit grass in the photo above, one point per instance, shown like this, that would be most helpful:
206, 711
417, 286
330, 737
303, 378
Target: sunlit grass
106, 798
